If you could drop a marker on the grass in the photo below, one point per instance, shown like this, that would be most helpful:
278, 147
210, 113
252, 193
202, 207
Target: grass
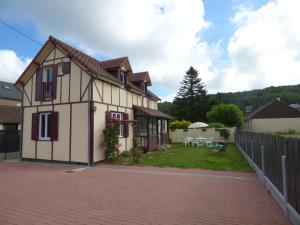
296, 135
193, 157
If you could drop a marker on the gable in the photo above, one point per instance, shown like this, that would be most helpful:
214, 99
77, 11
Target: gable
276, 109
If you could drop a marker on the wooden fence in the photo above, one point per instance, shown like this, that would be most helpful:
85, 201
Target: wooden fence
277, 158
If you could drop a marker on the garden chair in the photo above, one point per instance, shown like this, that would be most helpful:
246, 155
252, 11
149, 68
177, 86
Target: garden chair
187, 141
209, 142
196, 142
218, 148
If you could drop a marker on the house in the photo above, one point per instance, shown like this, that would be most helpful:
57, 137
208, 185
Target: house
10, 102
10, 94
272, 117
68, 97
295, 106
10, 114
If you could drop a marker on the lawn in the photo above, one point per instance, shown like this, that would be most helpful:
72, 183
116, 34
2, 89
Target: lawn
296, 135
193, 157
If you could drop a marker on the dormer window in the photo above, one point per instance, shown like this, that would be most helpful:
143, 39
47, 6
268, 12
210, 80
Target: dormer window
122, 77
143, 86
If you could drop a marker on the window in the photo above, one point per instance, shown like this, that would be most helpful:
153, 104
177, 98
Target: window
60, 69
118, 116
47, 82
122, 77
44, 126
142, 126
152, 126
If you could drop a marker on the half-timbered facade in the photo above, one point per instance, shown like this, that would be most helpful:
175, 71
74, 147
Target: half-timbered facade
68, 97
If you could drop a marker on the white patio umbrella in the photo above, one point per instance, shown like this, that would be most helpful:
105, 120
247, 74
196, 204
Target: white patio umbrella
198, 125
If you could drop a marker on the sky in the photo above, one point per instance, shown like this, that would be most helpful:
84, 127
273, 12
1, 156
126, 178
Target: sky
235, 45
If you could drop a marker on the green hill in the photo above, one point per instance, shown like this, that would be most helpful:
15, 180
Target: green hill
256, 98
289, 94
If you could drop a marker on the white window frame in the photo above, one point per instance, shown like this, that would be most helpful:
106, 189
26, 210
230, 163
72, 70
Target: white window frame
47, 136
116, 115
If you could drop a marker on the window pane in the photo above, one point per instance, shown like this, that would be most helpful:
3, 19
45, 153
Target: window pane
49, 75
48, 125
43, 125
154, 126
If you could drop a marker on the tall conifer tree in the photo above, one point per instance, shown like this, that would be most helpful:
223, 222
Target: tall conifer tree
191, 102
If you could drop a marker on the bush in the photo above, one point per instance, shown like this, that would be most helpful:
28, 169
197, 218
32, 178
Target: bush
228, 114
289, 131
111, 140
125, 153
216, 125
224, 133
179, 124
136, 151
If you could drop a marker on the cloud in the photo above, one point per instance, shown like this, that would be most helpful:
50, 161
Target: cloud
161, 36
11, 66
264, 49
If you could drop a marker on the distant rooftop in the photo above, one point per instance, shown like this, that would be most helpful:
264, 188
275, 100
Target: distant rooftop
9, 91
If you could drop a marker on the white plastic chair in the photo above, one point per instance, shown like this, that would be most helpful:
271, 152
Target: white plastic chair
187, 141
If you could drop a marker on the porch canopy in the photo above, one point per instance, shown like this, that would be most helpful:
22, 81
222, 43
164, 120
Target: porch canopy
142, 111
152, 127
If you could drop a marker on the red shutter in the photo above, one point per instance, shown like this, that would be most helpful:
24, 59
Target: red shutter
38, 84
54, 126
54, 82
66, 67
107, 118
125, 125
35, 126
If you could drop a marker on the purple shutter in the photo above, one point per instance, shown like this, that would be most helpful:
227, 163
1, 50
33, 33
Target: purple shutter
54, 126
125, 125
38, 84
35, 126
54, 82
107, 118
66, 67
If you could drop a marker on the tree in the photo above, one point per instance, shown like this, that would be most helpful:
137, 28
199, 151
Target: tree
191, 102
166, 107
228, 114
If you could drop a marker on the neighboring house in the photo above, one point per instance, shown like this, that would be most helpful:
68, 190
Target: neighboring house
272, 117
10, 102
68, 98
10, 94
295, 106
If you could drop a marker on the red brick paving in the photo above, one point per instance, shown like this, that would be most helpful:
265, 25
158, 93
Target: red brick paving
41, 194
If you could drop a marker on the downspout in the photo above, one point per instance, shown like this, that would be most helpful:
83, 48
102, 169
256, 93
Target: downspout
89, 123
21, 125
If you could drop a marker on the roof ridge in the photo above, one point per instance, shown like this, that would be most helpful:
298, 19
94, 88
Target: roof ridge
125, 57
91, 63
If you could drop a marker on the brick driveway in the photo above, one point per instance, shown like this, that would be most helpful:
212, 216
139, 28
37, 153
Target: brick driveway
41, 194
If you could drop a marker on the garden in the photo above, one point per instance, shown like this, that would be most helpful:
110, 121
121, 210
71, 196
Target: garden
179, 156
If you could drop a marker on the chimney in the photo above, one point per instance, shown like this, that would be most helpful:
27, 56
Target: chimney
278, 98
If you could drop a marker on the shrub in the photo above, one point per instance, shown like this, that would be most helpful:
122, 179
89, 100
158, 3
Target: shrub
179, 124
136, 151
111, 140
224, 133
216, 125
125, 153
289, 131
228, 114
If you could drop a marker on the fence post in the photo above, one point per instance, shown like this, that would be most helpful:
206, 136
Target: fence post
262, 151
284, 177
252, 153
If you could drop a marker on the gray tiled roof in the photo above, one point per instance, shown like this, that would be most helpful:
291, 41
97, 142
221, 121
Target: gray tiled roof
9, 91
